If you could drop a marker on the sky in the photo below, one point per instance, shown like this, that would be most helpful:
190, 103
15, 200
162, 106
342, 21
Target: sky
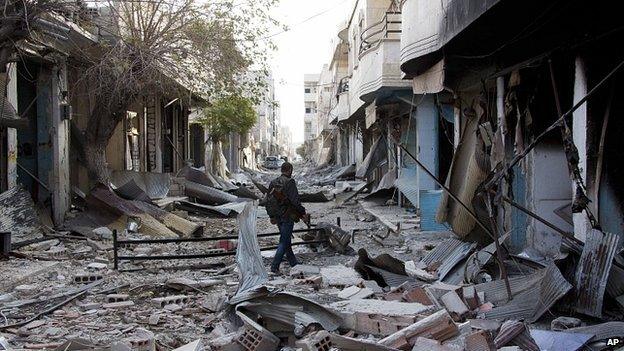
304, 48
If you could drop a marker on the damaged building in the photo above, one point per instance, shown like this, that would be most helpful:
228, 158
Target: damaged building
463, 180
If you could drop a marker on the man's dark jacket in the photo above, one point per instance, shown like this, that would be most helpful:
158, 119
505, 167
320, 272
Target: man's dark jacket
288, 187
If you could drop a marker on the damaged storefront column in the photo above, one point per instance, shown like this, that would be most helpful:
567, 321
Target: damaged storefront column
59, 116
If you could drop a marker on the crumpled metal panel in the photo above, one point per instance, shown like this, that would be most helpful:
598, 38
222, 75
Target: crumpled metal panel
447, 255
208, 194
408, 186
198, 176
601, 331
18, 215
559, 341
248, 258
593, 271
532, 295
515, 333
155, 185
225, 209
131, 191
393, 279
292, 309
376, 157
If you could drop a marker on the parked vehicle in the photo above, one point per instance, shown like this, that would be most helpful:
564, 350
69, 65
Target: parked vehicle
272, 162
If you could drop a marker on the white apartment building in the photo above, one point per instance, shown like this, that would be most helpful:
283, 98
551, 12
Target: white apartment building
310, 91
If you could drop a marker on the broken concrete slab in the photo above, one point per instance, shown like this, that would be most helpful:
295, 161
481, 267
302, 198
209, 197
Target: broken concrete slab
341, 276
438, 326
378, 317
454, 305
355, 292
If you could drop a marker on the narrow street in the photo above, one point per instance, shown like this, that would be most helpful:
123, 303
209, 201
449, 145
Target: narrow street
44, 296
322, 175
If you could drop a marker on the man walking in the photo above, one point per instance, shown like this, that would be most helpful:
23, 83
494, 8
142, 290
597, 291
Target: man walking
287, 210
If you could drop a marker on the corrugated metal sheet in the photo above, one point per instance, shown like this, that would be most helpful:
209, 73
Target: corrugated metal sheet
408, 186
602, 331
515, 333
447, 255
429, 203
198, 176
393, 279
294, 310
18, 215
532, 295
155, 185
225, 209
593, 271
208, 194
131, 191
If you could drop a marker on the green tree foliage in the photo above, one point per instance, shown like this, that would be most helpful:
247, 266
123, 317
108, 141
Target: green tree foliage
229, 114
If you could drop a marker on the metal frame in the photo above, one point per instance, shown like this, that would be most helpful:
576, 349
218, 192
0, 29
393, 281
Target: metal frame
117, 243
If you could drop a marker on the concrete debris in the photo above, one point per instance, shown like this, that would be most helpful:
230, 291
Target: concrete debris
340, 276
438, 326
18, 216
414, 291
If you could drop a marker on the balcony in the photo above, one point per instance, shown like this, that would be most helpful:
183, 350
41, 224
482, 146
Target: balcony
429, 25
378, 68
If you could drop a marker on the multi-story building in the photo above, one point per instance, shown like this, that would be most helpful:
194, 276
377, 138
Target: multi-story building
310, 90
514, 83
265, 129
376, 111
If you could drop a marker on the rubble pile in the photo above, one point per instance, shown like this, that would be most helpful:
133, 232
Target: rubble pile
357, 289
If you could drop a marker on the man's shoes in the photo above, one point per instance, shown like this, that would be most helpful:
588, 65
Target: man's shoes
275, 271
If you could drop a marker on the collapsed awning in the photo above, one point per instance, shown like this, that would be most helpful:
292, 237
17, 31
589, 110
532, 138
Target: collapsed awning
376, 157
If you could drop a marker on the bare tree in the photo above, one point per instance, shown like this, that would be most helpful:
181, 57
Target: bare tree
163, 44
148, 46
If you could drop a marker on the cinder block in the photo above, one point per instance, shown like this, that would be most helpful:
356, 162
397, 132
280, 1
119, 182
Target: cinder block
470, 297
116, 298
114, 305
87, 278
255, 340
168, 300
454, 305
381, 325
319, 341
57, 252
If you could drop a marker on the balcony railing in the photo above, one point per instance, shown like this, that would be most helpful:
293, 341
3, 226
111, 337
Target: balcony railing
389, 25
